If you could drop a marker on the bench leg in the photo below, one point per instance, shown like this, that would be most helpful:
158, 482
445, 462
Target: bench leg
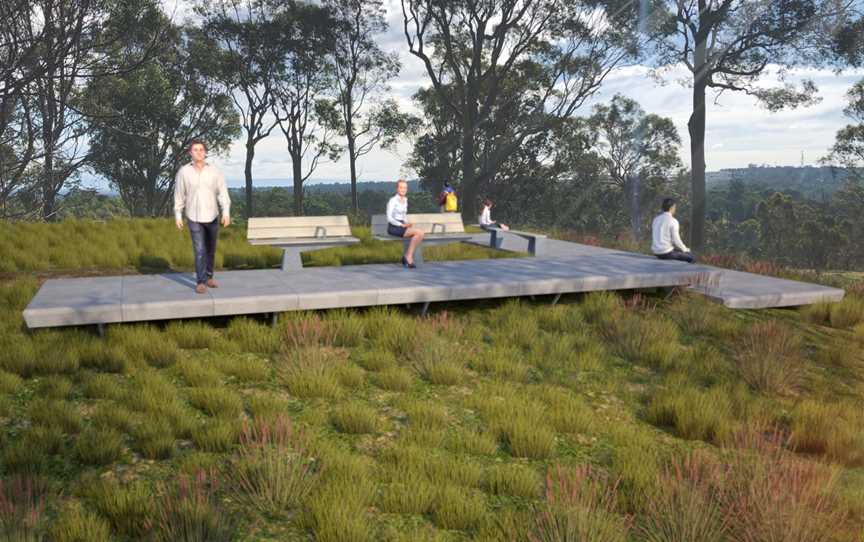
537, 247
291, 260
495, 240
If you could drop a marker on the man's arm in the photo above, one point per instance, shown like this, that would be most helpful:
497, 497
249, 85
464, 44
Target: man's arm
224, 199
179, 199
676, 238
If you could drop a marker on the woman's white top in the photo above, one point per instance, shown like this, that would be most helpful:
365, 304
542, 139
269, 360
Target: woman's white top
397, 210
486, 217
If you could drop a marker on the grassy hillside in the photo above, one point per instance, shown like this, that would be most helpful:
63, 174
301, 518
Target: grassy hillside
608, 417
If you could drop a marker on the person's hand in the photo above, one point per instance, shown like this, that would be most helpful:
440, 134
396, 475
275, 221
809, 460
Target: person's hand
505, 227
179, 222
226, 220
408, 225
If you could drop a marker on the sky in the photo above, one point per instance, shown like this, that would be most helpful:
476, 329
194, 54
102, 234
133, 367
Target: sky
739, 131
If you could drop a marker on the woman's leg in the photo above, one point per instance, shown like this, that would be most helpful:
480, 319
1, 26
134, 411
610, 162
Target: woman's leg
416, 237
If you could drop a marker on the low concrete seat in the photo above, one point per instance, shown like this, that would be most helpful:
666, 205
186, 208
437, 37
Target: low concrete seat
536, 241
440, 228
296, 234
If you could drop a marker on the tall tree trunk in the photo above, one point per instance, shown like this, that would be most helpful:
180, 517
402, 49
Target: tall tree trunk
469, 177
696, 127
250, 155
352, 160
635, 214
297, 167
48, 182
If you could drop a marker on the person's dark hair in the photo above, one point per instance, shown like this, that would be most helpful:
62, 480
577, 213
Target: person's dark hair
487, 202
197, 142
446, 184
667, 204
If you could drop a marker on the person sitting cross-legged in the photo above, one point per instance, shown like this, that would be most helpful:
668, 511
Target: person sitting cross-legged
666, 242
486, 221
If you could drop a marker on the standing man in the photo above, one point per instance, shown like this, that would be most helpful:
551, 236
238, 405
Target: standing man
666, 241
200, 189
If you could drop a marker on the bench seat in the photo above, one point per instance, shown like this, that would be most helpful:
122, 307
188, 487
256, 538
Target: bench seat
536, 241
296, 234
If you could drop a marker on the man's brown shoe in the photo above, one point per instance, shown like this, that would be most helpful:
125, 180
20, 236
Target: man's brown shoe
211, 283
200, 288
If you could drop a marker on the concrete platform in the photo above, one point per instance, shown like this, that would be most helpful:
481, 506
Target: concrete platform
135, 298
735, 289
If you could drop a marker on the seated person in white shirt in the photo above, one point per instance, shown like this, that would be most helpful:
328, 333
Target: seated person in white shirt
486, 217
200, 192
666, 242
398, 225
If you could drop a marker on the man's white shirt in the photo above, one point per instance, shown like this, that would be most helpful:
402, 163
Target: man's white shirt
200, 193
665, 236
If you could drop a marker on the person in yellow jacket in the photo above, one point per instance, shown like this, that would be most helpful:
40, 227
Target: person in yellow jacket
447, 199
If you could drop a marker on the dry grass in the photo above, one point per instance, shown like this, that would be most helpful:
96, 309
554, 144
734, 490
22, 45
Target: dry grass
769, 358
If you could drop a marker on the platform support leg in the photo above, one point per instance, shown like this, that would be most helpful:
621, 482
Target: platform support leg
291, 260
274, 318
556, 298
100, 329
425, 308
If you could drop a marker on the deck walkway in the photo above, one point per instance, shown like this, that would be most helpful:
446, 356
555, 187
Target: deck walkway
735, 289
566, 268
134, 298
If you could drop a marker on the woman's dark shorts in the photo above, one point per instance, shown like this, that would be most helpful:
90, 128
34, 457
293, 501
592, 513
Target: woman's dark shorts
396, 231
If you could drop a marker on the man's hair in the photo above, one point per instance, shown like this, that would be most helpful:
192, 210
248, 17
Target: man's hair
197, 142
667, 204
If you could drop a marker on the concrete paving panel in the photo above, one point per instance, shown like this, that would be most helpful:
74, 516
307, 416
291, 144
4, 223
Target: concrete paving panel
252, 292
80, 301
165, 296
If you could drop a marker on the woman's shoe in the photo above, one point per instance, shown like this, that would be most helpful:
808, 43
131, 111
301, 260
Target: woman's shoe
409, 265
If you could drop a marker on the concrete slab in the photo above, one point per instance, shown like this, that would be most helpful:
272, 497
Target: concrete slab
253, 292
165, 296
71, 302
739, 290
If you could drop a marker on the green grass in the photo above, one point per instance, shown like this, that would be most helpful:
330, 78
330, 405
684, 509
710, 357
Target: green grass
477, 422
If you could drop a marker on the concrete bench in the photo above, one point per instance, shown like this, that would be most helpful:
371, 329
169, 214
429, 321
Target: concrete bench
440, 228
536, 241
296, 234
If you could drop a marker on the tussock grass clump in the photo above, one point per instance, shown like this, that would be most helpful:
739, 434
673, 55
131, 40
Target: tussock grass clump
579, 505
601, 308
389, 330
144, 343
75, 523
54, 387
197, 373
501, 363
10, 383
306, 330
46, 353
464, 441
218, 402
216, 435
817, 313
99, 355
567, 413
840, 353
686, 503
653, 341
409, 493
252, 336
267, 406
111, 415
355, 418
848, 313
708, 415
456, 508
54, 413
769, 358
698, 317
127, 506
424, 414
192, 335
394, 379
22, 505
512, 480
153, 438
566, 319
349, 327
246, 369
375, 360
835, 430
190, 510
337, 508
401, 458
272, 470
29, 454
525, 436
311, 372
152, 394
435, 362
351, 377
101, 386
98, 445
515, 323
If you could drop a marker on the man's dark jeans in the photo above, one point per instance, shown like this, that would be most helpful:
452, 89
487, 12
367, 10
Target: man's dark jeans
204, 235
678, 255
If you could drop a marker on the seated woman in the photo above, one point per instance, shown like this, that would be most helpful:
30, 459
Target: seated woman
398, 225
486, 217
